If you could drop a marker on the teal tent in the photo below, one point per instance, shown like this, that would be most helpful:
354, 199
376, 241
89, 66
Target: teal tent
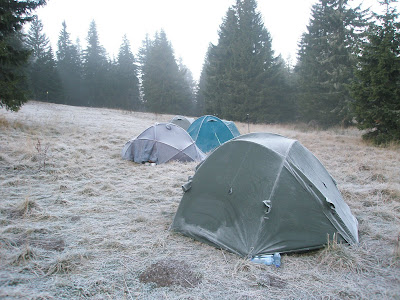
262, 193
209, 132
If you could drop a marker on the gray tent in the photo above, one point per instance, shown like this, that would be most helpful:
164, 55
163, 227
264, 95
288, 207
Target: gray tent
182, 121
161, 143
262, 193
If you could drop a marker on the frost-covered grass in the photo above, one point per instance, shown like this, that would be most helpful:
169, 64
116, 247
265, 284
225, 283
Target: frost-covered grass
76, 221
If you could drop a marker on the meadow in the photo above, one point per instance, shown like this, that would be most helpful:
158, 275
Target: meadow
78, 222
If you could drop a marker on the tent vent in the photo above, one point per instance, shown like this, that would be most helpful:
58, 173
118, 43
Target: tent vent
268, 204
188, 185
330, 203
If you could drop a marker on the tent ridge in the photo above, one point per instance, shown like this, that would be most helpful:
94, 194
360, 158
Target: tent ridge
182, 151
201, 124
240, 167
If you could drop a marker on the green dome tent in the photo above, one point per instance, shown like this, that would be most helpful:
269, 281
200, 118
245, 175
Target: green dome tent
262, 193
210, 132
182, 121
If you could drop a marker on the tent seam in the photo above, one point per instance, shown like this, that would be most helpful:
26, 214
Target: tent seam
284, 158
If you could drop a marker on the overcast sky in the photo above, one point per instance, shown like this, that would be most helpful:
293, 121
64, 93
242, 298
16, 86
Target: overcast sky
190, 25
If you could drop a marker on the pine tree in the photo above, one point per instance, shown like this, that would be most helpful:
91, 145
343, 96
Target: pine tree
281, 91
242, 75
188, 86
217, 68
51, 85
45, 83
127, 78
199, 108
69, 66
163, 85
327, 60
37, 40
376, 89
254, 64
95, 70
13, 56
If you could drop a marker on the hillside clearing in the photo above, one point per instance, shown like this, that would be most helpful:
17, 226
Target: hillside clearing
76, 221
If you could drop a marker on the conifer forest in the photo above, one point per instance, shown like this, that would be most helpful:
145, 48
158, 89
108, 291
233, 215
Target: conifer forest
347, 70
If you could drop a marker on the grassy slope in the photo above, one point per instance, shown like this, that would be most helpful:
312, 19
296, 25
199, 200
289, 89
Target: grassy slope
76, 221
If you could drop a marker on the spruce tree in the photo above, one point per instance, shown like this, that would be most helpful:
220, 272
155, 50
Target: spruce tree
45, 83
199, 108
327, 60
253, 66
188, 86
376, 89
219, 61
36, 40
69, 66
163, 85
95, 70
13, 55
127, 78
243, 78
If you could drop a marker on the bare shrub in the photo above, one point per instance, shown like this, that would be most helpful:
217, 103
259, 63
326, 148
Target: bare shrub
41, 156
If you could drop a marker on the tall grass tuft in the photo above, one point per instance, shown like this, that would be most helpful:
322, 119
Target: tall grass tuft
396, 253
25, 255
4, 123
342, 257
65, 263
26, 207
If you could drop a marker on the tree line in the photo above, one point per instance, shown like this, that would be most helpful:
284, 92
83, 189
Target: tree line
151, 81
347, 71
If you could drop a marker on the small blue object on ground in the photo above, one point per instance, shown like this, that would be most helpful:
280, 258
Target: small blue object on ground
268, 259
277, 259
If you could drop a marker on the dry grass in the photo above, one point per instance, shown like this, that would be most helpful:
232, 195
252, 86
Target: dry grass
396, 252
25, 254
4, 122
76, 221
170, 273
